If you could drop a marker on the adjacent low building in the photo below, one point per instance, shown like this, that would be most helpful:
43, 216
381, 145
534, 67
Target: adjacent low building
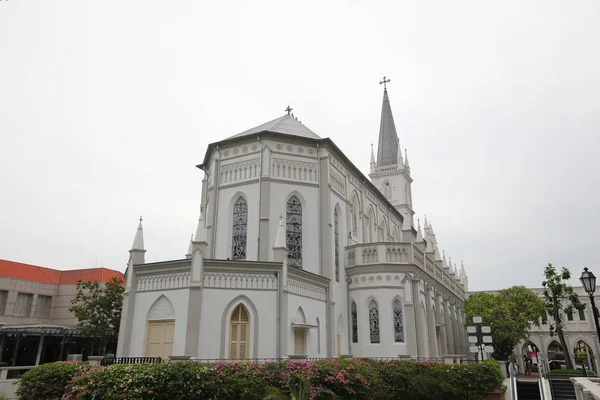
36, 325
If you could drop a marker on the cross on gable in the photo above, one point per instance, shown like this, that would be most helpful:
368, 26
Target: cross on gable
289, 110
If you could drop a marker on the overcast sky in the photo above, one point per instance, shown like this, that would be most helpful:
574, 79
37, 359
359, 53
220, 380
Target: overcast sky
106, 106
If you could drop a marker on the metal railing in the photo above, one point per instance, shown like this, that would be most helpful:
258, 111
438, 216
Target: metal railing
131, 360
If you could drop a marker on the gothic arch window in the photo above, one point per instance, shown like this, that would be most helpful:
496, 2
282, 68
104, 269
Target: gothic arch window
336, 242
374, 321
398, 322
354, 212
293, 230
387, 190
239, 338
240, 229
354, 314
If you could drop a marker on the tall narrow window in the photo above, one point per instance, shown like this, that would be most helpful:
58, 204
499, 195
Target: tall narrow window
544, 318
398, 322
570, 316
240, 229
43, 306
354, 211
3, 298
354, 323
293, 230
24, 301
582, 315
336, 245
240, 332
374, 321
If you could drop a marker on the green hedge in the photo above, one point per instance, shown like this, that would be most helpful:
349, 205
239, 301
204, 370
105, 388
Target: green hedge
348, 379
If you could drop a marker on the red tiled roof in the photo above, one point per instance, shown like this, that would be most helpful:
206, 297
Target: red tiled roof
12, 269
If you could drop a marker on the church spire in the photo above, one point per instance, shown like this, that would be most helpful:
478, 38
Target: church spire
387, 148
200, 236
419, 233
406, 164
138, 241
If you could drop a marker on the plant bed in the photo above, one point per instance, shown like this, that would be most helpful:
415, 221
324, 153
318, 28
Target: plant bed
354, 379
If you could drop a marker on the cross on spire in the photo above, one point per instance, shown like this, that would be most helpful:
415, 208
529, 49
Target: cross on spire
385, 81
289, 110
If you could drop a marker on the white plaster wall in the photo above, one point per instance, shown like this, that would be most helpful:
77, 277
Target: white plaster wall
214, 306
227, 198
340, 288
308, 195
143, 302
312, 309
387, 347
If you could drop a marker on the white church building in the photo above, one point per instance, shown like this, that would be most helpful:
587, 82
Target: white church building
298, 254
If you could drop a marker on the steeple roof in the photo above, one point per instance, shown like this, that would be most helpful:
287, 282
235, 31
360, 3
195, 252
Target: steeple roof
387, 148
287, 125
138, 241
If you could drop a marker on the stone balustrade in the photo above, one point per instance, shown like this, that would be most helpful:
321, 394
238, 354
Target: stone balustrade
401, 253
587, 388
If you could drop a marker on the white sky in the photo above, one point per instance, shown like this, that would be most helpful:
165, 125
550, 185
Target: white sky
106, 106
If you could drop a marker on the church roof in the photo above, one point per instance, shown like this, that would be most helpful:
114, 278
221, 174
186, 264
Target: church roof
287, 125
387, 148
16, 270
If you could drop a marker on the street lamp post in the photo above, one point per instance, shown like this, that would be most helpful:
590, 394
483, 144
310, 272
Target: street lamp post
588, 280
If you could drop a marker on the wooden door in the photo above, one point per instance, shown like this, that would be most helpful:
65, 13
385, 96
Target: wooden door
239, 335
161, 335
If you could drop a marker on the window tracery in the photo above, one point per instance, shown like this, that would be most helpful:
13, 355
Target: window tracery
354, 314
240, 229
374, 321
398, 322
293, 228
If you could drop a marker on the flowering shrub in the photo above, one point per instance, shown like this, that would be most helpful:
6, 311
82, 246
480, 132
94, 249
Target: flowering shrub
47, 381
348, 379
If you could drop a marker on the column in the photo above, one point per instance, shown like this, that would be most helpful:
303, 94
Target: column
443, 350
449, 331
421, 336
38, 357
433, 348
455, 328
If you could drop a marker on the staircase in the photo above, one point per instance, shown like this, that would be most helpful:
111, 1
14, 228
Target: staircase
562, 389
528, 390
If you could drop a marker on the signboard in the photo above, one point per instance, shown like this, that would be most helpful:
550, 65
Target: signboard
477, 320
473, 349
486, 329
488, 349
487, 339
471, 329
472, 339
534, 359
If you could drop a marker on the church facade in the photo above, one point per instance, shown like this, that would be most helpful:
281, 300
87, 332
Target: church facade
298, 254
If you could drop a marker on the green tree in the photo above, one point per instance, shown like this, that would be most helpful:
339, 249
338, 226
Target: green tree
97, 307
510, 314
559, 296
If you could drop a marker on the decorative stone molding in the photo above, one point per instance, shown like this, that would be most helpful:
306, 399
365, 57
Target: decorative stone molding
294, 170
337, 183
162, 309
163, 281
240, 171
306, 289
240, 281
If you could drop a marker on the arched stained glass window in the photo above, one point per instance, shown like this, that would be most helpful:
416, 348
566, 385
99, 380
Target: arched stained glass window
293, 229
336, 250
398, 322
374, 321
240, 229
354, 323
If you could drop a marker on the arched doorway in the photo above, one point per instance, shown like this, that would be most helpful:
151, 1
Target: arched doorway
556, 356
239, 339
584, 356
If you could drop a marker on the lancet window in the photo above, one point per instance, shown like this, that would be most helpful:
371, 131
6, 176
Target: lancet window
240, 229
354, 313
336, 245
374, 321
398, 322
293, 229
